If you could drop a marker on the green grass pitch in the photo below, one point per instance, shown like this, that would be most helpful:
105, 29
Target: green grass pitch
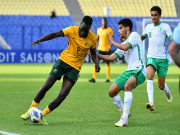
87, 110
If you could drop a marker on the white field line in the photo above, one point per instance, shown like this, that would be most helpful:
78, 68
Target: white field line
7, 133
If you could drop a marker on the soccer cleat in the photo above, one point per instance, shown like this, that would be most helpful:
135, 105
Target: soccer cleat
43, 121
107, 81
150, 107
169, 96
92, 80
121, 123
25, 116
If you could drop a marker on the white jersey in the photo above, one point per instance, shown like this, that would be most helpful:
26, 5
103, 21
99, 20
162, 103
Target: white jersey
134, 55
157, 35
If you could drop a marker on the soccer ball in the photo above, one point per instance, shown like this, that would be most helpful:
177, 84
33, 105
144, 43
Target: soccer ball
35, 114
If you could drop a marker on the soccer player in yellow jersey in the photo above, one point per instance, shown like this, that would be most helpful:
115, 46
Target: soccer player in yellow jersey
80, 40
104, 46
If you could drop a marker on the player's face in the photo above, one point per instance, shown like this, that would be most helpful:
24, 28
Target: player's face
122, 31
155, 16
84, 30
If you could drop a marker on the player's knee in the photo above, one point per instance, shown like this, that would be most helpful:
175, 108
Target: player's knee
161, 86
150, 76
127, 87
111, 93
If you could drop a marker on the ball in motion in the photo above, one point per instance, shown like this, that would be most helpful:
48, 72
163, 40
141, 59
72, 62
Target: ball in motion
35, 114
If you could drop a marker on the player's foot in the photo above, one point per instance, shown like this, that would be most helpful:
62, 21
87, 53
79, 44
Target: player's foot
25, 116
92, 80
169, 96
121, 123
107, 81
150, 107
43, 121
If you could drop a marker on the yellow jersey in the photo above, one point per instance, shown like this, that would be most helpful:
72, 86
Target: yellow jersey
104, 38
77, 47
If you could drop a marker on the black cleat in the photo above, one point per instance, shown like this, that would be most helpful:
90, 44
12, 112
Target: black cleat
107, 81
92, 80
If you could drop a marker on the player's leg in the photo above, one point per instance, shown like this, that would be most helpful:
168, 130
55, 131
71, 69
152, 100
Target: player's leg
41, 93
93, 79
162, 72
150, 88
129, 85
108, 71
115, 97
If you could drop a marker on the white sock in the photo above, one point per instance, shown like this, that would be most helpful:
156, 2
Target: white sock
117, 102
150, 91
166, 89
127, 103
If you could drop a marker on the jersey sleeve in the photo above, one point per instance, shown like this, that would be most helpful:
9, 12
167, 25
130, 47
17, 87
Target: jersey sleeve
133, 39
168, 31
67, 31
119, 53
97, 32
111, 32
144, 34
93, 42
176, 35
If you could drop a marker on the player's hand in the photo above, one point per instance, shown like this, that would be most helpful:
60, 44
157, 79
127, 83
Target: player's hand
88, 52
97, 67
121, 39
35, 42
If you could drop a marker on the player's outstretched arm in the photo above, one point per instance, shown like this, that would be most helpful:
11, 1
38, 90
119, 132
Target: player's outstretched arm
111, 57
142, 37
174, 51
123, 47
95, 59
49, 37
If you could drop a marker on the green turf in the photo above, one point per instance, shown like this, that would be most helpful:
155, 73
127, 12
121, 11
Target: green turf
87, 110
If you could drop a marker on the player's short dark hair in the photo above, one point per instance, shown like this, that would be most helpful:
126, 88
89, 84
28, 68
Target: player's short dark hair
156, 8
87, 20
126, 22
104, 18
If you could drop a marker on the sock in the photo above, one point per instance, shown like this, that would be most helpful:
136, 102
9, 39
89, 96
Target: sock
166, 89
117, 102
150, 91
34, 104
46, 111
127, 103
108, 71
94, 73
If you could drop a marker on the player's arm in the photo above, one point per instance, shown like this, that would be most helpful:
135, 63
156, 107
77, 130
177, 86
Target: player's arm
111, 57
174, 51
123, 47
49, 37
95, 59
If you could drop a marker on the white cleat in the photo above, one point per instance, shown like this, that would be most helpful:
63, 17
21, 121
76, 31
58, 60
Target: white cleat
121, 123
169, 96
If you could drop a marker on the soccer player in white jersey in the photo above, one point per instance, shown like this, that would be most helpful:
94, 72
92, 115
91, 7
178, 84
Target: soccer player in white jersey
157, 33
132, 50
175, 46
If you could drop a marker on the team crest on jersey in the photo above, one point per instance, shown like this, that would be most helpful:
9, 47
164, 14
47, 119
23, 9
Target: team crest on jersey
159, 28
87, 44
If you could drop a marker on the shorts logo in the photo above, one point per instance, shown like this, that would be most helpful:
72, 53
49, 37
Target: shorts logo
55, 70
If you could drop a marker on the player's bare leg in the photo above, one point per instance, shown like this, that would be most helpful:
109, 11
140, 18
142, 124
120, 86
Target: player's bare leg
41, 93
129, 85
150, 88
163, 86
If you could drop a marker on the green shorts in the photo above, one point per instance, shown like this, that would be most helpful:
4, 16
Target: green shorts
160, 65
103, 52
61, 68
122, 79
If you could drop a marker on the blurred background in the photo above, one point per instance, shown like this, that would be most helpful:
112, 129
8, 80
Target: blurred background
23, 21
